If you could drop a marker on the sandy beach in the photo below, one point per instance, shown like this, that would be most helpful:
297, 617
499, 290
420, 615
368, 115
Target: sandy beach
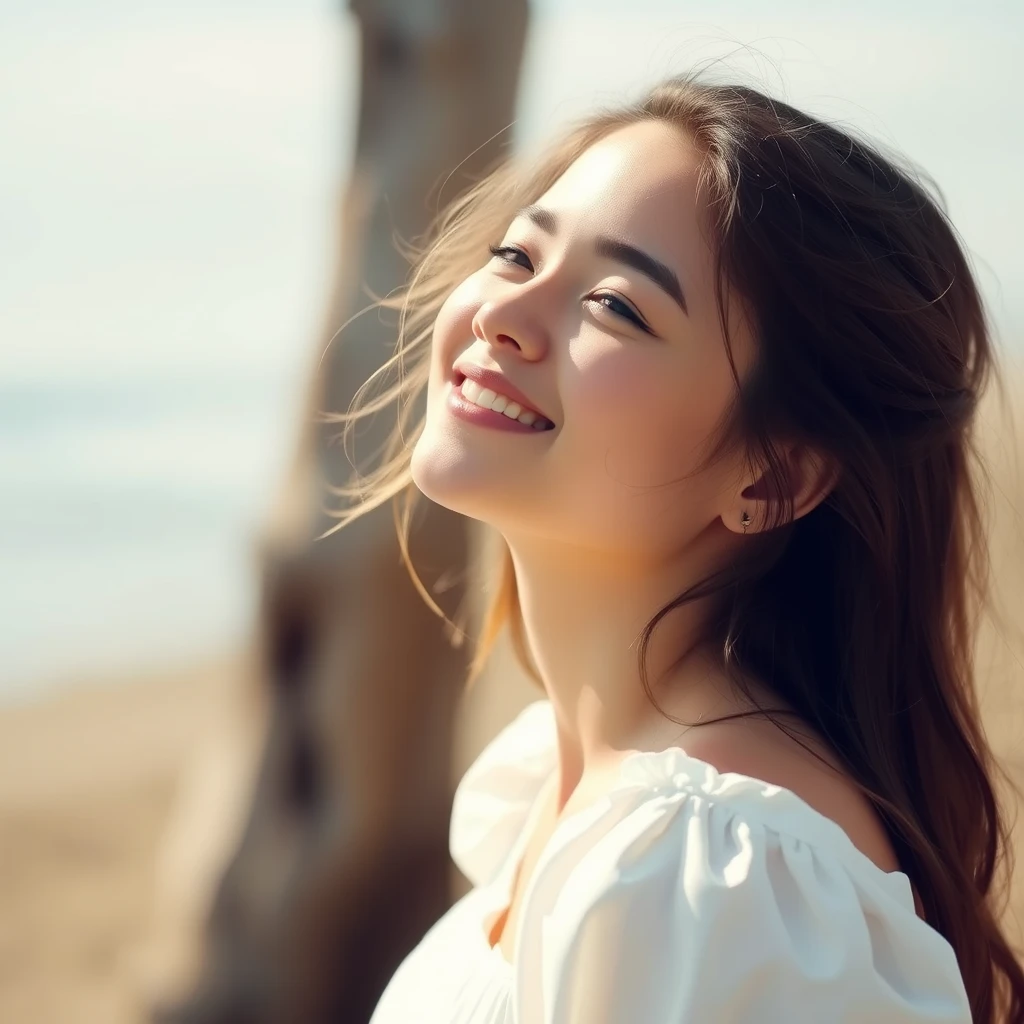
88, 778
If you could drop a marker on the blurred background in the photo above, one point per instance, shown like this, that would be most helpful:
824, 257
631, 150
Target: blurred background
191, 197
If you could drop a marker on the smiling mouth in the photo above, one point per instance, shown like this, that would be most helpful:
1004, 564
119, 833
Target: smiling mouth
486, 398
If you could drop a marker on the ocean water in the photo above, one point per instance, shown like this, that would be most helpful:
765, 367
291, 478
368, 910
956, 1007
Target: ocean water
127, 517
167, 182
166, 192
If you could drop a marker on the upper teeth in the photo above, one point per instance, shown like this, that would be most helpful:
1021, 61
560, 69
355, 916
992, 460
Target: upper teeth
488, 399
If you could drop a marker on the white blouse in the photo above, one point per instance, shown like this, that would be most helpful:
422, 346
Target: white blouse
681, 896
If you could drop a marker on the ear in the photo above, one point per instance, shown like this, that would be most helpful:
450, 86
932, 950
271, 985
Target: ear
807, 478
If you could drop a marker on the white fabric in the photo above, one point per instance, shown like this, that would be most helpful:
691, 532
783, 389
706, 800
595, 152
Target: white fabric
682, 896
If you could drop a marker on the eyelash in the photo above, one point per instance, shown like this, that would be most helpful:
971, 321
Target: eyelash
501, 252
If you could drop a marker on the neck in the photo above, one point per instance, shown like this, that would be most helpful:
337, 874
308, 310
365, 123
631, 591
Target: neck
583, 616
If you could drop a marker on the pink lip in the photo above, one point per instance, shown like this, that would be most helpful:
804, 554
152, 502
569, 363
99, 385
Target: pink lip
496, 382
463, 409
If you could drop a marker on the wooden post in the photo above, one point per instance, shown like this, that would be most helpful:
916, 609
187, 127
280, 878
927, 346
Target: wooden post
343, 860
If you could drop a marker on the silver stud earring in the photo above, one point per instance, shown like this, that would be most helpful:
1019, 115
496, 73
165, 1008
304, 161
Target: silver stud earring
745, 521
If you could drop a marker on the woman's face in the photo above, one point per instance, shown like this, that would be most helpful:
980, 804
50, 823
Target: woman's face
600, 311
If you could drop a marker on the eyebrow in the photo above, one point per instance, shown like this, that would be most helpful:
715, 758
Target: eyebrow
621, 252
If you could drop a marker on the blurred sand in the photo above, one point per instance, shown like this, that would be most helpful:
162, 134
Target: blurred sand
89, 819
87, 780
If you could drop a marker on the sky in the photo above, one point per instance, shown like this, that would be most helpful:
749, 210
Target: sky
167, 181
158, 159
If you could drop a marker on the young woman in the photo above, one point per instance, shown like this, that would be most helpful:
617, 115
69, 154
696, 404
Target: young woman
714, 384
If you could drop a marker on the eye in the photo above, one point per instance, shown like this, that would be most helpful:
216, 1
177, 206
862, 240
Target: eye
615, 305
507, 254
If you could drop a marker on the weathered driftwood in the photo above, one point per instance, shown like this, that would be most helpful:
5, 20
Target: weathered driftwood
343, 861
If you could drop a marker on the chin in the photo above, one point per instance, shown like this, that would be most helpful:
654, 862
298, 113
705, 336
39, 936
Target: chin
462, 480
442, 472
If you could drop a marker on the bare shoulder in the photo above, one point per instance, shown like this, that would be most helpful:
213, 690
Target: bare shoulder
759, 749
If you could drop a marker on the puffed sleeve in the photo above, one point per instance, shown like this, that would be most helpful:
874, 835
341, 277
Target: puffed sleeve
691, 897
495, 796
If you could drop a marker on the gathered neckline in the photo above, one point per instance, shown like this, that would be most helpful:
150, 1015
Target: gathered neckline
674, 768
670, 769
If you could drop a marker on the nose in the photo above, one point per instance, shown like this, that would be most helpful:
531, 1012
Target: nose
507, 324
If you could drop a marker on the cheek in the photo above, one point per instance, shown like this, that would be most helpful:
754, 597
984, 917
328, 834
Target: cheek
638, 425
453, 326
643, 415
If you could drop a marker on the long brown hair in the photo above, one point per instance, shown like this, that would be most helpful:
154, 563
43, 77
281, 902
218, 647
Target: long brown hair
874, 350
